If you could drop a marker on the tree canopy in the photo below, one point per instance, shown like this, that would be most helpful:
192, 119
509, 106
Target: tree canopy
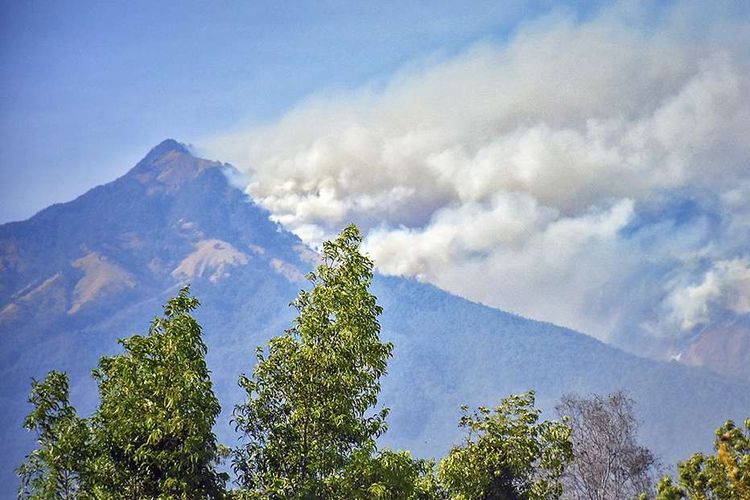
507, 454
154, 424
725, 475
58, 467
311, 395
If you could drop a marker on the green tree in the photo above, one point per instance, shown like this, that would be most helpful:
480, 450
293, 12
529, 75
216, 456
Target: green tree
310, 398
57, 469
725, 475
387, 474
507, 454
153, 427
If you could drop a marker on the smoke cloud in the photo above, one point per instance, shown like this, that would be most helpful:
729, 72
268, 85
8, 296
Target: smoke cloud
593, 174
725, 287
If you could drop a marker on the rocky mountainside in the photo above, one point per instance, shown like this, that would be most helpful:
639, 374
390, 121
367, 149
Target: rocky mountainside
724, 347
78, 275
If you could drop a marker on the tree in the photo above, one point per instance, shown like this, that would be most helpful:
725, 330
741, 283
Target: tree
387, 474
608, 462
725, 475
153, 427
507, 454
57, 469
310, 397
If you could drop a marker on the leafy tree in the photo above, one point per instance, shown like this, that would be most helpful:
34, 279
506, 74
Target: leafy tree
308, 412
608, 462
507, 454
153, 427
372, 474
725, 475
57, 469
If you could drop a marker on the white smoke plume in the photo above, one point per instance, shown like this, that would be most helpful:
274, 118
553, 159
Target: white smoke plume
593, 174
725, 287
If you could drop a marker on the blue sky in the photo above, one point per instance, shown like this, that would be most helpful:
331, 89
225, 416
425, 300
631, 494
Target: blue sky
87, 87
583, 163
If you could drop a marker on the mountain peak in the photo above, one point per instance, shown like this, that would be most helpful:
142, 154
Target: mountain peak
162, 154
169, 165
166, 146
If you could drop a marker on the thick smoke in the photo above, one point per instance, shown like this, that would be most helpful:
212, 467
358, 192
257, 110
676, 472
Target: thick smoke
592, 174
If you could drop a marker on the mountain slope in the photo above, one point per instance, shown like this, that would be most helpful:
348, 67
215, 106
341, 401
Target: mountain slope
724, 347
78, 275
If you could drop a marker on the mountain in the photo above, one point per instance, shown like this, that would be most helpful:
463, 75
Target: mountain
724, 347
78, 275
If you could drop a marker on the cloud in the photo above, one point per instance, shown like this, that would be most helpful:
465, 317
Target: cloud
724, 288
580, 173
513, 253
